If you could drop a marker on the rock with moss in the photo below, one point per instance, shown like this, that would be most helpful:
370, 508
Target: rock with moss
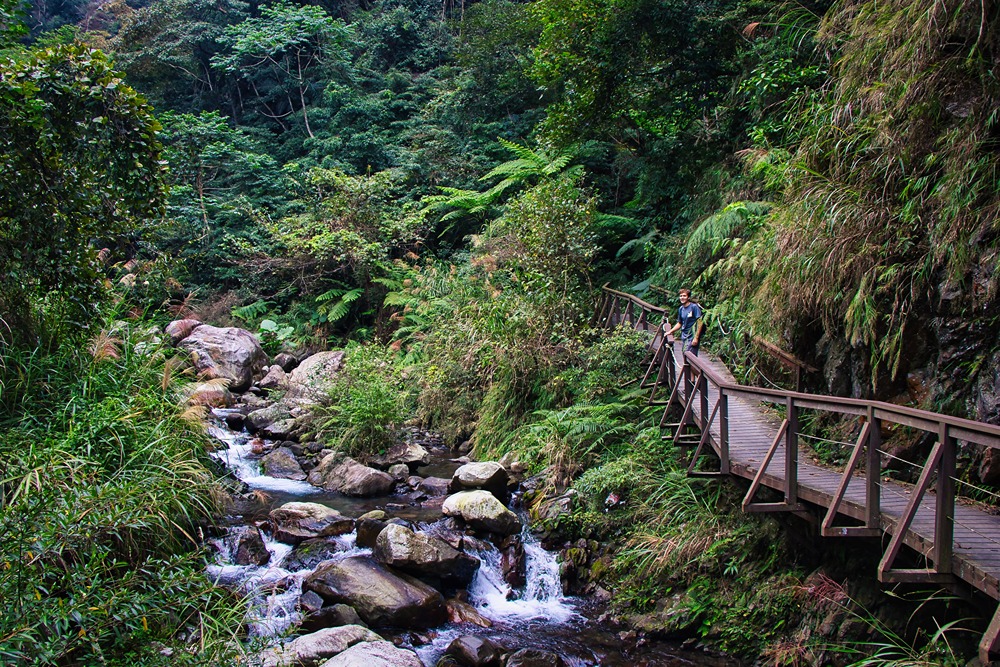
294, 523
424, 556
487, 475
314, 377
482, 511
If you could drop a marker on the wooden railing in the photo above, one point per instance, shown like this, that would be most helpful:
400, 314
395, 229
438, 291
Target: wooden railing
704, 399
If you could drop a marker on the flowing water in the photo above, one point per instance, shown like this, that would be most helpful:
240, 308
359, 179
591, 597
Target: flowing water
539, 616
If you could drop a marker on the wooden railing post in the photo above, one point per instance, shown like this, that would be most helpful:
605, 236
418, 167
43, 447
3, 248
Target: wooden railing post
873, 473
703, 390
792, 453
944, 515
723, 432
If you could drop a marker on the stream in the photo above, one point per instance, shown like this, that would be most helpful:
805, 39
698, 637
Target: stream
538, 616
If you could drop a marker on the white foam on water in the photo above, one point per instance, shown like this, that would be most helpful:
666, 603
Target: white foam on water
542, 598
237, 457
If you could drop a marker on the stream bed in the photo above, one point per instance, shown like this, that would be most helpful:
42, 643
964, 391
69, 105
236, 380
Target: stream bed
536, 615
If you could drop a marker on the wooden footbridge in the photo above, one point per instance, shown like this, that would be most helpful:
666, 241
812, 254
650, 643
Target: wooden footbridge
732, 424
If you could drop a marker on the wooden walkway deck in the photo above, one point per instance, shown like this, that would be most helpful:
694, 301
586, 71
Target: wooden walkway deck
753, 433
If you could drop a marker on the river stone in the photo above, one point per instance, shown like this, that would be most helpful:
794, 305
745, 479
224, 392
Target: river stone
285, 361
293, 523
276, 378
482, 511
312, 380
408, 453
312, 649
424, 556
281, 463
210, 395
331, 617
434, 486
250, 548
309, 553
279, 430
375, 654
339, 472
368, 532
230, 353
529, 657
262, 417
463, 612
513, 562
178, 330
399, 471
380, 597
475, 651
487, 475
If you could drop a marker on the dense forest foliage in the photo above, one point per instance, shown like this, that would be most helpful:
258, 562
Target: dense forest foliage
450, 183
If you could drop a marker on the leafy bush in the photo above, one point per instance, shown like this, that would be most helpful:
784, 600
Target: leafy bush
103, 486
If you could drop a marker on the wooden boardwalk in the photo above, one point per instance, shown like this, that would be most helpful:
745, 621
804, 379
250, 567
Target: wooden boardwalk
753, 433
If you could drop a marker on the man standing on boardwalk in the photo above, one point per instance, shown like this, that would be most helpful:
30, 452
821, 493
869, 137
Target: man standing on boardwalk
689, 322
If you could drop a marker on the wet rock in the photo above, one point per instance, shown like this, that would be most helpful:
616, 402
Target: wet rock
210, 395
487, 475
368, 532
434, 486
473, 651
248, 403
380, 596
513, 563
285, 362
339, 472
463, 612
250, 548
234, 421
293, 523
281, 463
424, 556
329, 617
482, 511
380, 515
375, 654
399, 472
279, 430
267, 415
553, 509
529, 657
276, 378
310, 553
312, 649
675, 617
312, 379
178, 330
409, 454
231, 353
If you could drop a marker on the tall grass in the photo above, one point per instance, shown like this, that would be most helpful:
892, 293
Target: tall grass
103, 487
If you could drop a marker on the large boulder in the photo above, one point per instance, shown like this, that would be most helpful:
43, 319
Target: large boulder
312, 379
281, 463
230, 353
487, 475
210, 395
375, 654
178, 330
482, 511
339, 472
312, 649
424, 556
380, 597
409, 453
475, 651
293, 523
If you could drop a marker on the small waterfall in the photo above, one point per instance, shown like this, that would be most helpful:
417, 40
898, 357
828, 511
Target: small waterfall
542, 599
237, 457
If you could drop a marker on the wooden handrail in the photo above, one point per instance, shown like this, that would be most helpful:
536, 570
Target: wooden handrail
634, 299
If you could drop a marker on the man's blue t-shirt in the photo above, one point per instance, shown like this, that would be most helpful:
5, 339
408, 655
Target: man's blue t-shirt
687, 316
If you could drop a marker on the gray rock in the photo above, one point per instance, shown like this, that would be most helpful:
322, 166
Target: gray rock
210, 395
399, 471
312, 380
368, 532
424, 556
267, 415
463, 612
279, 430
475, 651
178, 330
293, 523
487, 475
281, 463
408, 453
380, 596
312, 649
338, 472
375, 654
276, 378
250, 548
310, 553
482, 511
434, 486
286, 361
230, 353
529, 657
